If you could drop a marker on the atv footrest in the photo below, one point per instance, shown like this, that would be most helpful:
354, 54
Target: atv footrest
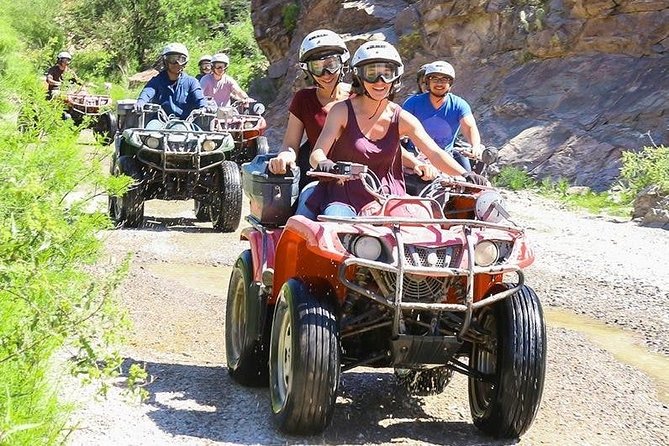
411, 350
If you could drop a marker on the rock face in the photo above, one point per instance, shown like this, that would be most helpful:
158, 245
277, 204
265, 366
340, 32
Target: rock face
563, 87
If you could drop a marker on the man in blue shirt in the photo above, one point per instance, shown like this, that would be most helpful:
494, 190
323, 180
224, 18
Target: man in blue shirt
177, 92
442, 113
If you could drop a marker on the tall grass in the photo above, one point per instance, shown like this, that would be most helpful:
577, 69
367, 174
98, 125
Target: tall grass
47, 237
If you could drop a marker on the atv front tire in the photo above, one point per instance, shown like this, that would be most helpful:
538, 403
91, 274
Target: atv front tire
127, 210
514, 360
304, 361
246, 328
226, 207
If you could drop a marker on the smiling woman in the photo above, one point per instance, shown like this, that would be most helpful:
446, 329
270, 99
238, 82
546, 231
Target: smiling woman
366, 129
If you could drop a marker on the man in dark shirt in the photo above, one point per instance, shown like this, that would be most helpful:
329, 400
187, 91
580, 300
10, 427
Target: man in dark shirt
59, 73
177, 92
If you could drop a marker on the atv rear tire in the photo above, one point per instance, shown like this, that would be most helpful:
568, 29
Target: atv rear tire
424, 382
127, 210
514, 358
246, 338
226, 207
304, 361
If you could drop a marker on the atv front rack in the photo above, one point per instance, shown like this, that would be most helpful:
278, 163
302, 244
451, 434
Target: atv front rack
400, 268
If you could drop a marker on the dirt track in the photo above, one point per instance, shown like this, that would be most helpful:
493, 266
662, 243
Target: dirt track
605, 384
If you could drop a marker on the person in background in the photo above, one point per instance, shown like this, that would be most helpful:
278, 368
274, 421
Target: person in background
177, 92
220, 86
204, 65
366, 129
444, 114
59, 73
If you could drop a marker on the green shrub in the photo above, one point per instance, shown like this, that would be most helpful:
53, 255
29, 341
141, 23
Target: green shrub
290, 13
514, 178
647, 167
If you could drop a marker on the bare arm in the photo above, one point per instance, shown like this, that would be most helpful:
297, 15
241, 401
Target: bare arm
334, 124
425, 170
291, 145
410, 126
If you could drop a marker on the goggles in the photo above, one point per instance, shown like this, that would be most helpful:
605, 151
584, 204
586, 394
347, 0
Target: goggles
386, 71
172, 59
64, 60
218, 66
331, 64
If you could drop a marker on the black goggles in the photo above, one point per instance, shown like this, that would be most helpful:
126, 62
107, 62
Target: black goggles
181, 59
387, 72
331, 64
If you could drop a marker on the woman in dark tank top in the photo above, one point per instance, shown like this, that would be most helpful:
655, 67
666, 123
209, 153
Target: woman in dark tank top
366, 129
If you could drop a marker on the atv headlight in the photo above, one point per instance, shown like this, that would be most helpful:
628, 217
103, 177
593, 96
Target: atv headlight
366, 247
152, 142
486, 253
208, 145
249, 125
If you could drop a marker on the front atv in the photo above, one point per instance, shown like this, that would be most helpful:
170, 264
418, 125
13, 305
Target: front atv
419, 284
174, 159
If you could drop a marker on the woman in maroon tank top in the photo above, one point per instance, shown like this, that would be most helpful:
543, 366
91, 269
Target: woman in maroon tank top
322, 56
366, 129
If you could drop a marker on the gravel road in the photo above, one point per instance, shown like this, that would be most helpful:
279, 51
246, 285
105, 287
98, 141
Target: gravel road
604, 288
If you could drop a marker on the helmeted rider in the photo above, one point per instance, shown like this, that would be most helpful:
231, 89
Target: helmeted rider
323, 57
177, 92
220, 86
442, 113
204, 65
366, 129
60, 72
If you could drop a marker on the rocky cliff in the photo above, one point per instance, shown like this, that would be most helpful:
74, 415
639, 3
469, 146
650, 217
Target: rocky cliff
561, 86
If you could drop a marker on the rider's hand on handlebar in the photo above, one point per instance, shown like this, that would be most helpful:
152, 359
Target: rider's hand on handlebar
426, 171
279, 164
327, 165
138, 107
475, 178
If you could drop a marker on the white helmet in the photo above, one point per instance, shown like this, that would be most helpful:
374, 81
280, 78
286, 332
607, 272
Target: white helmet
175, 48
377, 51
220, 58
64, 55
204, 58
440, 67
323, 41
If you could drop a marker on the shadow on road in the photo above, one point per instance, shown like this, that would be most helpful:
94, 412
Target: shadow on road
203, 402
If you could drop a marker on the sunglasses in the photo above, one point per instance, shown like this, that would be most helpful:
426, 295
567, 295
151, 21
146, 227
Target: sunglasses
176, 59
440, 79
331, 64
372, 72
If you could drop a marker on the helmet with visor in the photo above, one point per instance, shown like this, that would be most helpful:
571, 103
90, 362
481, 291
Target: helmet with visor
377, 60
175, 53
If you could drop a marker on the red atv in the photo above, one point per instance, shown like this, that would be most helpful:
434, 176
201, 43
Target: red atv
247, 126
413, 283
82, 104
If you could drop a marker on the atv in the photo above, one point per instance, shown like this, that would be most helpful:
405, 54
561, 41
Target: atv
417, 284
174, 159
81, 104
247, 126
